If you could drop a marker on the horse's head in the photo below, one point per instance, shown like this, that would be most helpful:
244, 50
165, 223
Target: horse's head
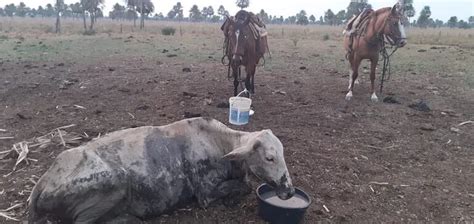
394, 30
238, 33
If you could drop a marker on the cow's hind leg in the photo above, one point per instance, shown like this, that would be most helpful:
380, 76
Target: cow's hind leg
96, 205
99, 201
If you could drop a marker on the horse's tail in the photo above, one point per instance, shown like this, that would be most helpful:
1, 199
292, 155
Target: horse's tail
350, 46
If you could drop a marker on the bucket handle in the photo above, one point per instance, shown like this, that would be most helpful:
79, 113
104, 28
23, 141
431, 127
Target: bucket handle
245, 91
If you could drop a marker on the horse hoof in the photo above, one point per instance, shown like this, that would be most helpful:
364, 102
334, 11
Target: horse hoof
349, 96
357, 82
374, 98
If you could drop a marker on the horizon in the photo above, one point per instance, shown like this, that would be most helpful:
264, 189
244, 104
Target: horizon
440, 9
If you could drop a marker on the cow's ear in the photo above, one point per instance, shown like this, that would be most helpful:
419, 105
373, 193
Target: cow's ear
238, 153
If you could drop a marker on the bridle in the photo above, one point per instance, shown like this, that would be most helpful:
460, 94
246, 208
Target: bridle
389, 46
393, 45
239, 25
227, 50
386, 38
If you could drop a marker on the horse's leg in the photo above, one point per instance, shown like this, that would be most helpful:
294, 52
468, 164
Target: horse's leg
248, 84
252, 77
355, 72
253, 82
351, 72
373, 66
236, 79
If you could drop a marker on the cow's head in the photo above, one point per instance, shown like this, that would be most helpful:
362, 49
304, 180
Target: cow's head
263, 154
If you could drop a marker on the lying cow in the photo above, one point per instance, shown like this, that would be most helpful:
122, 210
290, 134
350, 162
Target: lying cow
146, 171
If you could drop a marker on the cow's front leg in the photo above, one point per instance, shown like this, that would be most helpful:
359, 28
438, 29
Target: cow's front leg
232, 188
228, 188
124, 219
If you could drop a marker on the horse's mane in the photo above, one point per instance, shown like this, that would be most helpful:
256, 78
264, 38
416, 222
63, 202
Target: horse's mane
382, 10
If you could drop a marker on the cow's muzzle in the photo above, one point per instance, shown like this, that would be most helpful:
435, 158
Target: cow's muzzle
285, 193
285, 190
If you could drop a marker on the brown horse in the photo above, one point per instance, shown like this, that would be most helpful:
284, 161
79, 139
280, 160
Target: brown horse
243, 48
365, 42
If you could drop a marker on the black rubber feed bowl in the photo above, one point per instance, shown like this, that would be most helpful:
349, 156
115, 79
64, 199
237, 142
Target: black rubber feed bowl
277, 211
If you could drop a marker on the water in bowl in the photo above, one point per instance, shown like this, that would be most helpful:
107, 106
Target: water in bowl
297, 201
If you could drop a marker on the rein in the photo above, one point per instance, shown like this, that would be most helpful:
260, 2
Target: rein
225, 50
381, 38
386, 63
386, 69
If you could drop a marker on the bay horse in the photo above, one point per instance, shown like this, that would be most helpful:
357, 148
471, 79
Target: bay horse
243, 48
376, 29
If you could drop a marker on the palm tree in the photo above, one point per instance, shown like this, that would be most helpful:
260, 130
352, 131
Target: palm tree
195, 14
145, 7
408, 9
92, 7
178, 9
132, 6
243, 3
59, 8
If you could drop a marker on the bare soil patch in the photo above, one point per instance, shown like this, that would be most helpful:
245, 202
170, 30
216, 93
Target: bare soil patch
365, 162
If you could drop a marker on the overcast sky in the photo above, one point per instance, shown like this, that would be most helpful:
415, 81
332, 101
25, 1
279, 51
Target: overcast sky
440, 9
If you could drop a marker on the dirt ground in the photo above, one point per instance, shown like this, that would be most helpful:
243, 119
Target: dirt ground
363, 161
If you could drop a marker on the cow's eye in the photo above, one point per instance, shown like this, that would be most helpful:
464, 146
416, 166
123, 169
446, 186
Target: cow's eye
270, 159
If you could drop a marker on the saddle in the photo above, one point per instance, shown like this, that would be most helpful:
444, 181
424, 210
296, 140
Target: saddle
257, 26
258, 29
357, 25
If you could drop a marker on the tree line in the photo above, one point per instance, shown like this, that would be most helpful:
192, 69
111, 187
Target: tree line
83, 9
144, 9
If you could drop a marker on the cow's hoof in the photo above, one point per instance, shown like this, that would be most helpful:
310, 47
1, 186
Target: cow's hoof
349, 96
231, 201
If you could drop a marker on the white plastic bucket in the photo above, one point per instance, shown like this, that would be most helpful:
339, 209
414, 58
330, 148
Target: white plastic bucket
239, 110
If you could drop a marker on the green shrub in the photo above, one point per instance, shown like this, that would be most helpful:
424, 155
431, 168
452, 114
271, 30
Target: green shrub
295, 41
168, 31
326, 37
89, 32
49, 29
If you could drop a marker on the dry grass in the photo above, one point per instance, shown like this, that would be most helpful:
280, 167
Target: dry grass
31, 39
26, 40
57, 136
28, 27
